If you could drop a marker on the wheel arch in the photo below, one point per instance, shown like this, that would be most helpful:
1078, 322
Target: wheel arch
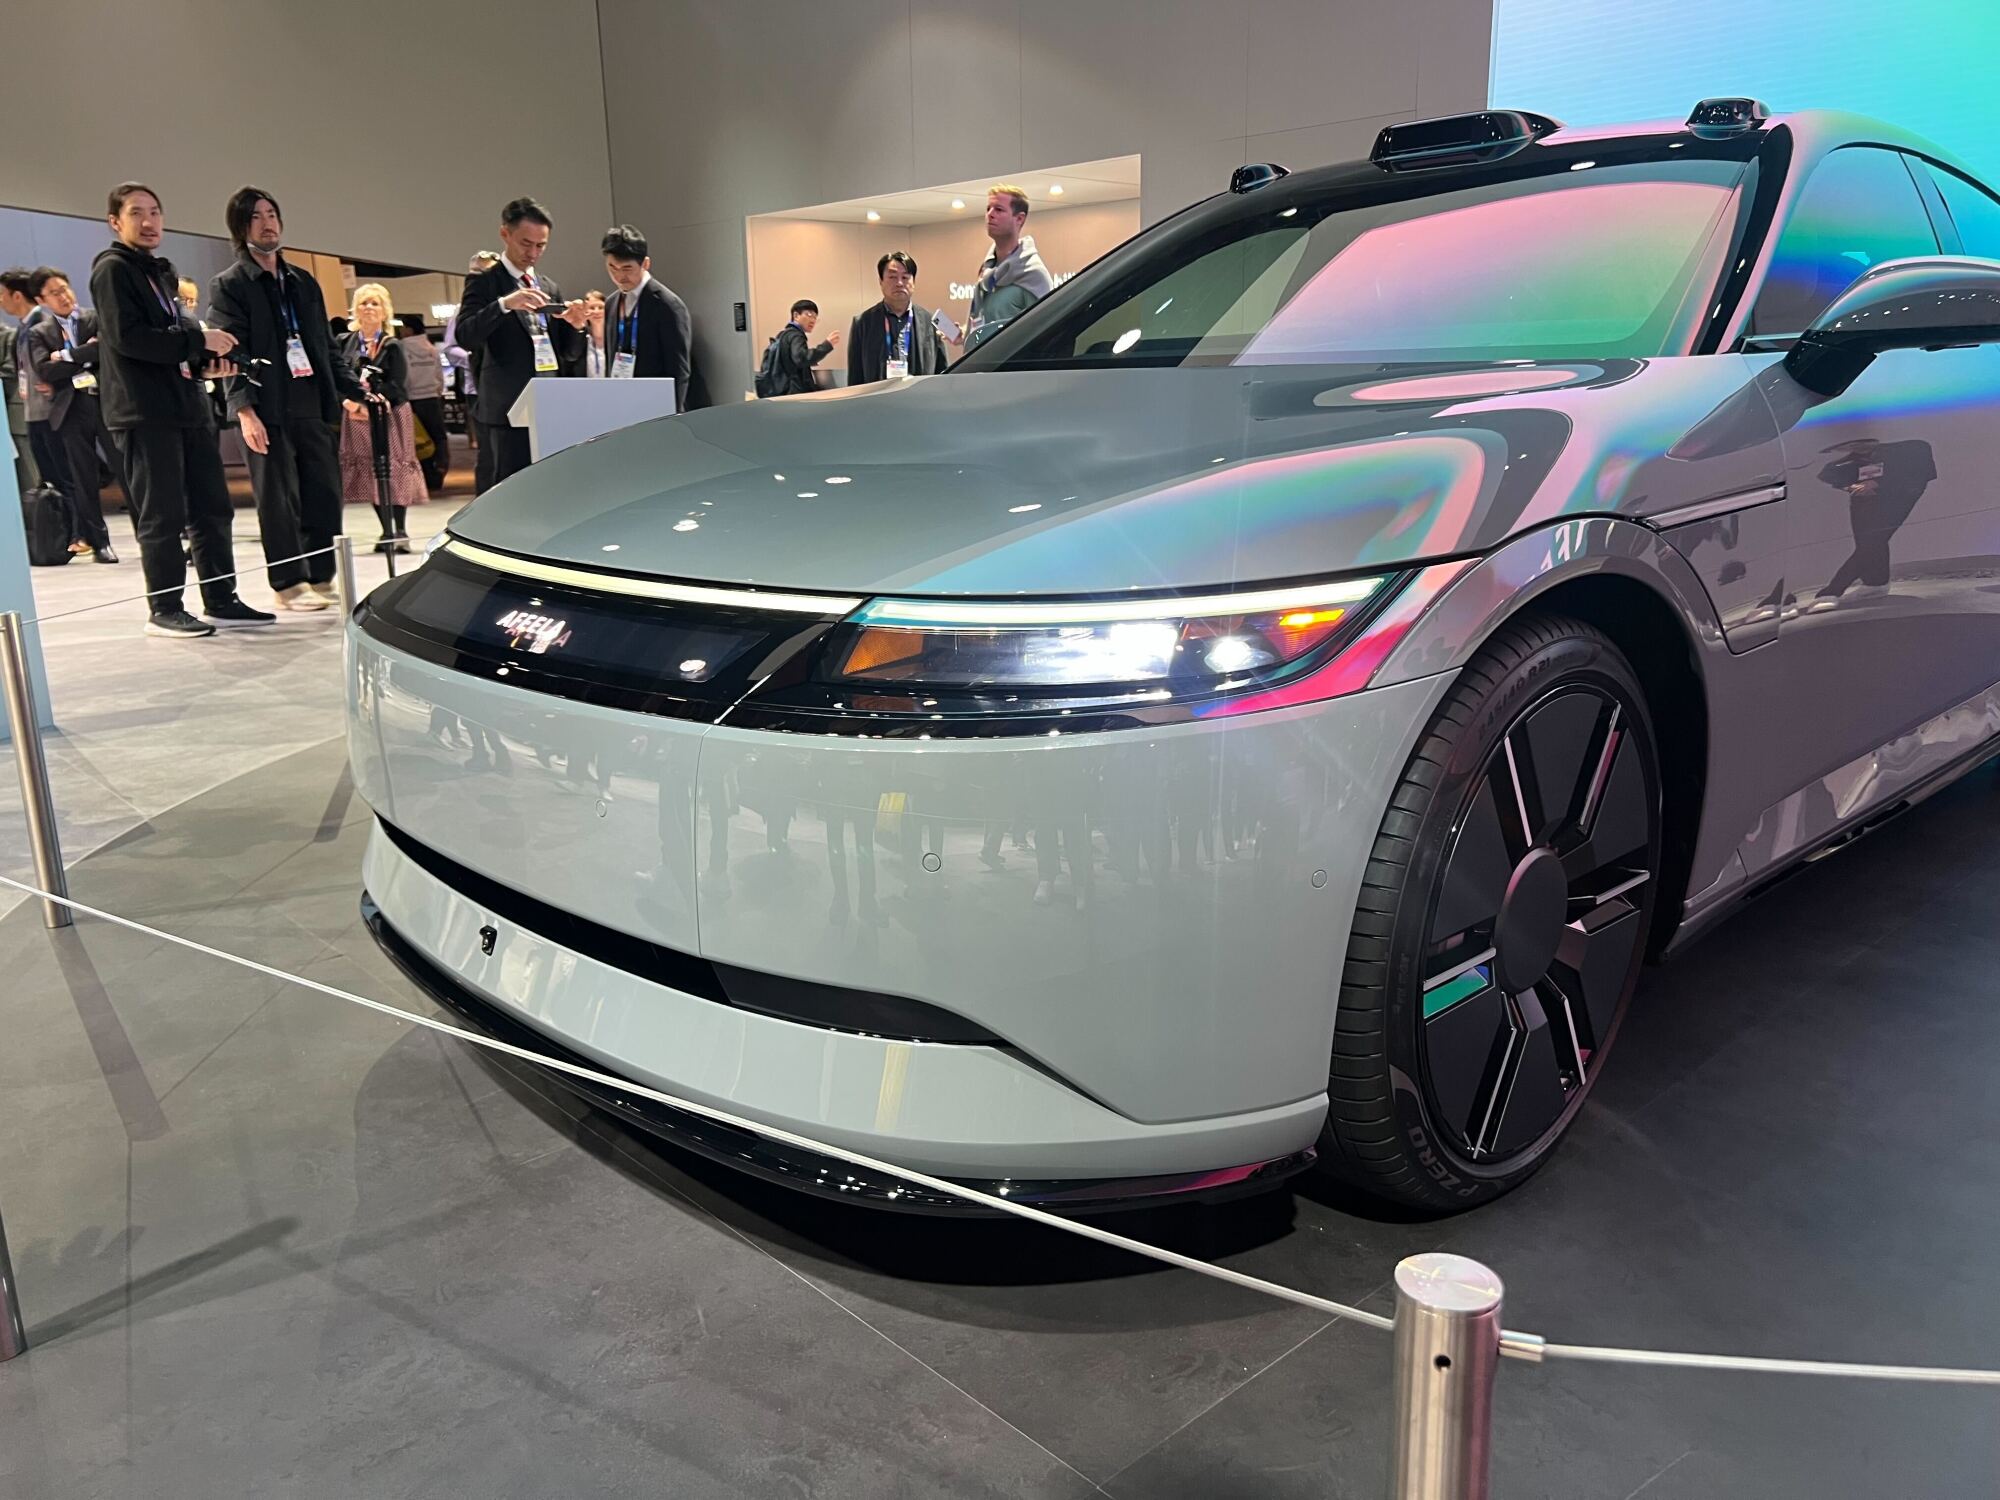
1626, 580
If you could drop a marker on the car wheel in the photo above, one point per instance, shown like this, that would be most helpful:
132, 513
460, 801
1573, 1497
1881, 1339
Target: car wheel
1501, 922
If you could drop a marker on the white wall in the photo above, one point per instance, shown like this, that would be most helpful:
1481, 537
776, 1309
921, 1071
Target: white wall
391, 130
722, 108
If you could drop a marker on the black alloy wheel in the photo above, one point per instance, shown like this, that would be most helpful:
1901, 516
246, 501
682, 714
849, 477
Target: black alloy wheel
1501, 927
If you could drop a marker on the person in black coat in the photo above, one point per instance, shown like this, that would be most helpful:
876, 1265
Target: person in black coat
508, 317
643, 318
796, 353
151, 360
61, 353
287, 402
895, 337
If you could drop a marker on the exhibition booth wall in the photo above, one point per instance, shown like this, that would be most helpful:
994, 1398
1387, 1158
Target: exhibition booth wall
789, 102
391, 131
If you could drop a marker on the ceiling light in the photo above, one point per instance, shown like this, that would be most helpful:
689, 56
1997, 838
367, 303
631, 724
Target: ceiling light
1055, 190
1021, 510
873, 217
809, 494
1125, 341
612, 548
958, 203
839, 479
687, 525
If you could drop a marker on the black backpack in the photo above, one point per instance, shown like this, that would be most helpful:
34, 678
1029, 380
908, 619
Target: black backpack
767, 372
45, 519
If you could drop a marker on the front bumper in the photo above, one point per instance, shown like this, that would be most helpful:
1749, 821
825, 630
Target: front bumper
814, 1172
1174, 1026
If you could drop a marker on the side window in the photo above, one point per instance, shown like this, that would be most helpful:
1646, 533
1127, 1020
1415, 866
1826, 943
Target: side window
1859, 208
1973, 210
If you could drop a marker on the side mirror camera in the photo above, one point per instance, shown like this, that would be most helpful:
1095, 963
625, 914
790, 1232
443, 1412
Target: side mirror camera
1930, 302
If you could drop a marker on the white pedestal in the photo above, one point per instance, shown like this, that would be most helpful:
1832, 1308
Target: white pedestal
560, 412
16, 593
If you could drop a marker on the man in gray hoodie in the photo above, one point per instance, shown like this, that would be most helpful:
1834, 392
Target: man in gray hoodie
1013, 278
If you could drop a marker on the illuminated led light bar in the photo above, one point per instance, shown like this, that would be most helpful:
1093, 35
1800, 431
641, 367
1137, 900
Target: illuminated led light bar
651, 588
1109, 611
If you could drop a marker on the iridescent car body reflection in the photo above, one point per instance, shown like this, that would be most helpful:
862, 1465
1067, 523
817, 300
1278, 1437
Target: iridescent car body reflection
1021, 774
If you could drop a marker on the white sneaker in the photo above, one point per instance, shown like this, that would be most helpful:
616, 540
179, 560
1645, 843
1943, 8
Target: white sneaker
325, 591
298, 597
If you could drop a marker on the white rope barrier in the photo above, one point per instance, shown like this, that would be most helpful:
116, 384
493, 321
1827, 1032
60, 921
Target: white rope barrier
770, 1132
1519, 1345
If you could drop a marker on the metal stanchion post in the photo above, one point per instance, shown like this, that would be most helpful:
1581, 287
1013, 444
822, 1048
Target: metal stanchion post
36, 802
1447, 1353
13, 1332
343, 560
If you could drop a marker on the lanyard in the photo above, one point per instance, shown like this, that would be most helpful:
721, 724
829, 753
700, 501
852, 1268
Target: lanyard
285, 301
889, 332
628, 325
68, 335
368, 353
167, 304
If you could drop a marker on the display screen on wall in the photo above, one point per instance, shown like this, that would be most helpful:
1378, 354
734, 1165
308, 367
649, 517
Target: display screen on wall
1923, 64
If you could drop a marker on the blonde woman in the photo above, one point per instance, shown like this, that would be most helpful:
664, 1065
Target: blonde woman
373, 352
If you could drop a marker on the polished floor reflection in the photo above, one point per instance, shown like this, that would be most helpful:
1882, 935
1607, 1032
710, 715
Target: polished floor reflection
273, 1245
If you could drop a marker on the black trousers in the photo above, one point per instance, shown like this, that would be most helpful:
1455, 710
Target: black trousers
81, 431
429, 410
49, 457
174, 478
297, 485
504, 451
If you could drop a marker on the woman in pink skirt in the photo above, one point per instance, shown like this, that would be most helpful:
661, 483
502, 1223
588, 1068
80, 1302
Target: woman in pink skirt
384, 368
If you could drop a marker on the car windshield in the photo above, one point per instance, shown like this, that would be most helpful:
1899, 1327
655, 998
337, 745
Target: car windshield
1591, 262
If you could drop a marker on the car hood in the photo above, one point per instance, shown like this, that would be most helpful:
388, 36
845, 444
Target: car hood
1102, 481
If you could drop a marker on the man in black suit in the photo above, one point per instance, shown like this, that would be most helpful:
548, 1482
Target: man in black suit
288, 402
61, 351
517, 325
646, 330
895, 337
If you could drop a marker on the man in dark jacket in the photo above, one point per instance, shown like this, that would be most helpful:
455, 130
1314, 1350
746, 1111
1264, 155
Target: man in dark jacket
286, 400
643, 318
13, 364
17, 297
796, 356
62, 355
895, 337
515, 321
150, 367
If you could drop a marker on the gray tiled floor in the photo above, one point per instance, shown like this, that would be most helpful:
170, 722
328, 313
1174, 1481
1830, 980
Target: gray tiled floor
145, 724
274, 1245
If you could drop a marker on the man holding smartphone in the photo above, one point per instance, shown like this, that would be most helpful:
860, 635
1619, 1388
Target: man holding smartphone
519, 327
152, 358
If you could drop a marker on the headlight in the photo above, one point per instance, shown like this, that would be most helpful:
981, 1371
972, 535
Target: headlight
1172, 646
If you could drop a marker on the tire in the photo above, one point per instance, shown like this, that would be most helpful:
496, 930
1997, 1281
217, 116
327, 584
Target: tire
1527, 820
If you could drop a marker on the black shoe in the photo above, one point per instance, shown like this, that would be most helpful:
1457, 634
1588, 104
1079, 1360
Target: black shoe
387, 544
236, 612
104, 554
403, 545
179, 625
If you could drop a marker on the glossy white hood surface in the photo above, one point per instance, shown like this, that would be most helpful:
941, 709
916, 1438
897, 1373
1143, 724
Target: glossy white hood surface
1090, 482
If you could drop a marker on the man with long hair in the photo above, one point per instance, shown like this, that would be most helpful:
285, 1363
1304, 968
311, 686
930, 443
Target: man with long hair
286, 400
